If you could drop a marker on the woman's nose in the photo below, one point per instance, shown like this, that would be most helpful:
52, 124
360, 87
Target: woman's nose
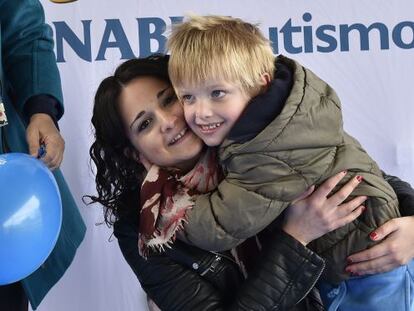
167, 120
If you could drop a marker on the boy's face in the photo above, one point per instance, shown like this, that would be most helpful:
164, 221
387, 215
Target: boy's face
212, 109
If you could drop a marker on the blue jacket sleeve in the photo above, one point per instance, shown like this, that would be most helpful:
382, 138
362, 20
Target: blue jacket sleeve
29, 63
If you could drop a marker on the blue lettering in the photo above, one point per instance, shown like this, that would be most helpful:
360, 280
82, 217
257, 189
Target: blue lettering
145, 35
307, 33
113, 26
287, 31
82, 49
175, 20
363, 30
274, 39
152, 37
397, 35
324, 37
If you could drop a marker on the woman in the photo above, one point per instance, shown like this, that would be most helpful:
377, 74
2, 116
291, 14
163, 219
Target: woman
136, 113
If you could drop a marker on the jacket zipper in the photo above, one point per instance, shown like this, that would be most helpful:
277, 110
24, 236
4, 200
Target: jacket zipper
224, 256
217, 258
213, 265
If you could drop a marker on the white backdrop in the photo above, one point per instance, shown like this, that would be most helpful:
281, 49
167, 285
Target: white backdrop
372, 75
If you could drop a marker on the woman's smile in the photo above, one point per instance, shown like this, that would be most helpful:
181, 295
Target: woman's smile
157, 128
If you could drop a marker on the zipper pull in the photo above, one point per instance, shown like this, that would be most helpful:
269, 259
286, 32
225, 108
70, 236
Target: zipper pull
213, 265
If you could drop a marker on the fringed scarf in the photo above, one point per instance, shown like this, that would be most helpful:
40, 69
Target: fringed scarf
165, 199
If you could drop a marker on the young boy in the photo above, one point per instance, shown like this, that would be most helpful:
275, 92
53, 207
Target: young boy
278, 128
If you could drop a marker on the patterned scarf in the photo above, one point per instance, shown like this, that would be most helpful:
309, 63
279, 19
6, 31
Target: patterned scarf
167, 196
165, 199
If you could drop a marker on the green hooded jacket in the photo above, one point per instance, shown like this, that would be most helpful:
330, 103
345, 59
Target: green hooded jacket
303, 146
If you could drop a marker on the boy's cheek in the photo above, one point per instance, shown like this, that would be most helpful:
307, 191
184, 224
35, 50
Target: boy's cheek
188, 115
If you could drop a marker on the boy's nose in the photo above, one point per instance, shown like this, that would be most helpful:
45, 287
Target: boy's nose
203, 110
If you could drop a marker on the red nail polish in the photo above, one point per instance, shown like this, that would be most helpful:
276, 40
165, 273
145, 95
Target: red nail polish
348, 270
349, 260
373, 235
359, 178
343, 172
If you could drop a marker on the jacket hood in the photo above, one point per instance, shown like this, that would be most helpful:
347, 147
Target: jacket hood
309, 118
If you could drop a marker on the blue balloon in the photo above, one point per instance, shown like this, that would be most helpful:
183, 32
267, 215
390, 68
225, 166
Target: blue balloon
30, 215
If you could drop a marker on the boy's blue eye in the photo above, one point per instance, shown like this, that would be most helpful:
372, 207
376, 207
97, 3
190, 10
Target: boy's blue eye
218, 93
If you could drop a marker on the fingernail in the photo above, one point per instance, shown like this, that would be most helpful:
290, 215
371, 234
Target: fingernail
343, 172
359, 178
373, 235
349, 260
363, 209
352, 273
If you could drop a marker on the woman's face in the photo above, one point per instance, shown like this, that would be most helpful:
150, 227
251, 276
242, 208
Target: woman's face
154, 122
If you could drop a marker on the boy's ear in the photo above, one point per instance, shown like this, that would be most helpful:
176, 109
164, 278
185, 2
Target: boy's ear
265, 79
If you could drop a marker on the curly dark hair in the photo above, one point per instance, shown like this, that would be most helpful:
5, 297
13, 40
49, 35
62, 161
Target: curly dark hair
118, 176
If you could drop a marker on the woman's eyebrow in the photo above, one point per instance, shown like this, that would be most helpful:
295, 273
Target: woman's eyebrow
141, 113
160, 93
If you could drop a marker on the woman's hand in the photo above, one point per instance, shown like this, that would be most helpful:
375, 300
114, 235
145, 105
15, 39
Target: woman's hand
315, 214
395, 249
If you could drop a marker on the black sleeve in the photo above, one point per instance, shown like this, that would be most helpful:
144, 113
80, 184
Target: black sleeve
405, 194
42, 104
285, 274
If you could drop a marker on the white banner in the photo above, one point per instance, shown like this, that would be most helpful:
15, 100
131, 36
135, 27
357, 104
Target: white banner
364, 49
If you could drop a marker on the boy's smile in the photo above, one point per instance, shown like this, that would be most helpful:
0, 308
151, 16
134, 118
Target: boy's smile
212, 109
209, 128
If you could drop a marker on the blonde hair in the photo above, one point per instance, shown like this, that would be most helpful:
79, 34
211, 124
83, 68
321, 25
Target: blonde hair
221, 48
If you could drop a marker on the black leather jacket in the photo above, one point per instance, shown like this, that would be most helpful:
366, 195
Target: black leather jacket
187, 278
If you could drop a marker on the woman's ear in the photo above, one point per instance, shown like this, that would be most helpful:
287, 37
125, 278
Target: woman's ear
144, 161
131, 154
